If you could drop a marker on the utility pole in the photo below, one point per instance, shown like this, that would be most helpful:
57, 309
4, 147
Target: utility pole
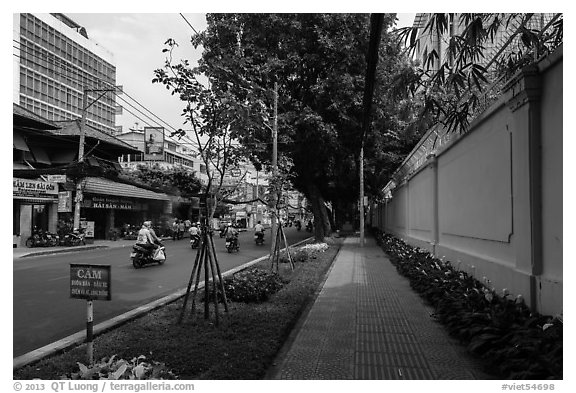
79, 195
274, 168
85, 106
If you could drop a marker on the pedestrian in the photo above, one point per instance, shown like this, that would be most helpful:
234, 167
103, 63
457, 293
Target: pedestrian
181, 228
187, 225
175, 229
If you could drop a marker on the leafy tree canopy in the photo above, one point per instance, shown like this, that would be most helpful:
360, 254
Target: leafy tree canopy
175, 181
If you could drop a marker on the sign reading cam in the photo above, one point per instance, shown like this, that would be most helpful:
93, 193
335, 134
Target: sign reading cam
91, 282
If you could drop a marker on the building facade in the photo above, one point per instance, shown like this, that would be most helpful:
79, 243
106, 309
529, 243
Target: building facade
54, 62
46, 173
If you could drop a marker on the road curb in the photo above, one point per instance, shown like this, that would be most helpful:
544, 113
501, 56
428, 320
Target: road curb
66, 250
79, 337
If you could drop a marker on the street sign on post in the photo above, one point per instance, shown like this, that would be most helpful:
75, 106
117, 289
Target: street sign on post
90, 282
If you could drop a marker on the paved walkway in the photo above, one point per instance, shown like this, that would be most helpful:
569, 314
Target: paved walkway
367, 323
20, 252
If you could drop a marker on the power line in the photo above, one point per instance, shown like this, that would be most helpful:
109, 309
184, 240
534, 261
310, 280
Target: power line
192, 27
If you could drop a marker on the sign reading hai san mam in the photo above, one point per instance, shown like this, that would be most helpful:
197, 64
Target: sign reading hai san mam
91, 282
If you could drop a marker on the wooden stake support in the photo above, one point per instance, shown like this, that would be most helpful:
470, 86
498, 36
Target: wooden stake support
275, 256
206, 257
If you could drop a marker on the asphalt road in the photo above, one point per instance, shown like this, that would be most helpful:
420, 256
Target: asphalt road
45, 313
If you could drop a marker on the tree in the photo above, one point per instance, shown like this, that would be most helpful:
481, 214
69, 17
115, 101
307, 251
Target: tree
453, 83
215, 117
175, 181
319, 63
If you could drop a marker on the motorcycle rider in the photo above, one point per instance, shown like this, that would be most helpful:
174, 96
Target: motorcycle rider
194, 231
259, 230
145, 239
232, 234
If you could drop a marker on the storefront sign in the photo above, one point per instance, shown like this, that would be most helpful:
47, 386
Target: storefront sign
56, 178
98, 202
91, 282
34, 188
64, 201
88, 228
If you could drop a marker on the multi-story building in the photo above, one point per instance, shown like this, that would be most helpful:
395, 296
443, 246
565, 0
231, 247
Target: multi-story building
54, 62
171, 154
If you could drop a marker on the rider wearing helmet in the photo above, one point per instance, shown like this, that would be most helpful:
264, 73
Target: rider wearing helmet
145, 238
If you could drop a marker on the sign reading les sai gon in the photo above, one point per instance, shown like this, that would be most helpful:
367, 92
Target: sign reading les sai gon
90, 282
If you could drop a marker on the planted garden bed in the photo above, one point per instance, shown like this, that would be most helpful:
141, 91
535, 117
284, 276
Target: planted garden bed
263, 308
514, 342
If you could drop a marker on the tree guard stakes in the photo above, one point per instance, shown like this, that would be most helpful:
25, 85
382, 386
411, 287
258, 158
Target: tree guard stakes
275, 256
205, 256
90, 282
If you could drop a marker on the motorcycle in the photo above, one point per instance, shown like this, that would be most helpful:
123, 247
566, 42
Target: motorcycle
140, 256
222, 232
298, 225
41, 238
75, 238
194, 241
232, 244
259, 238
309, 227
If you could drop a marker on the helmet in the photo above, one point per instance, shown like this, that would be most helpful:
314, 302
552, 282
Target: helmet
229, 224
148, 223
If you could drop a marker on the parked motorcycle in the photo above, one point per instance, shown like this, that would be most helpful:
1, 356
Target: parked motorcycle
259, 238
232, 244
141, 257
298, 225
194, 241
75, 238
41, 238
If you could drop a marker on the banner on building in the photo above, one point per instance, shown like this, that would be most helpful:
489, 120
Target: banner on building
64, 201
153, 143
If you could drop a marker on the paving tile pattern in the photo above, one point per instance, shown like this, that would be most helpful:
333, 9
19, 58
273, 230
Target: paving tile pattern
367, 323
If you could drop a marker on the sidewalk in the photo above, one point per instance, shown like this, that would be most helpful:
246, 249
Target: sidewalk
367, 323
21, 252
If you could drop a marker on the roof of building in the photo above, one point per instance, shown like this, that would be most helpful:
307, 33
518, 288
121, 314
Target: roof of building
23, 117
72, 127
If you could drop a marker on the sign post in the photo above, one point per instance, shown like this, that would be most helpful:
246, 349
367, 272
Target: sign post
90, 282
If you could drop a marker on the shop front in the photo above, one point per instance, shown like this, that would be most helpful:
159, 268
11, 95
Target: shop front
113, 206
35, 205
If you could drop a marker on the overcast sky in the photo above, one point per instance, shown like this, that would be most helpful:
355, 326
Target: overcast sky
136, 41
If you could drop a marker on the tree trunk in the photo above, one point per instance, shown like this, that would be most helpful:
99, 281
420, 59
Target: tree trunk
322, 226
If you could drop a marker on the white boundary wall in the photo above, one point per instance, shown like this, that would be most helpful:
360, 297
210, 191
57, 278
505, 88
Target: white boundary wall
491, 201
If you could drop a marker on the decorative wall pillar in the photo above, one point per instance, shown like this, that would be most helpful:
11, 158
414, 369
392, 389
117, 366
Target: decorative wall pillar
524, 92
433, 165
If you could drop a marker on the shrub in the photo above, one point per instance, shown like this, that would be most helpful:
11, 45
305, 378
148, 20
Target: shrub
304, 253
515, 342
112, 368
252, 285
297, 254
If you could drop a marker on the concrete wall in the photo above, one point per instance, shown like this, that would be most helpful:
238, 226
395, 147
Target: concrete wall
491, 200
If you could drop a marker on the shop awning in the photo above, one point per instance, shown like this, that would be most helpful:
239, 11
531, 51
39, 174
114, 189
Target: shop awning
19, 142
98, 185
40, 155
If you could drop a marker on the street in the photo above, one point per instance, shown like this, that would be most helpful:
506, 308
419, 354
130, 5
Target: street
44, 311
